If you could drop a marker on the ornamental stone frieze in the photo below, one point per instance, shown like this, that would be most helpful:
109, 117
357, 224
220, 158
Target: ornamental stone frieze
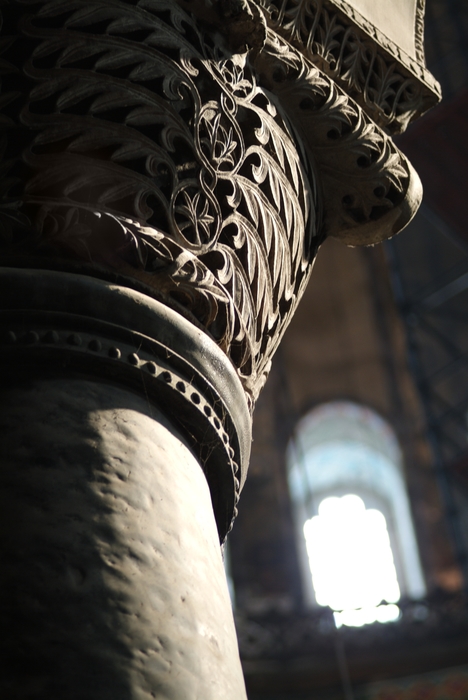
169, 171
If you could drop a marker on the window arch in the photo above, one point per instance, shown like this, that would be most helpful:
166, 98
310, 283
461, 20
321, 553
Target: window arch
343, 449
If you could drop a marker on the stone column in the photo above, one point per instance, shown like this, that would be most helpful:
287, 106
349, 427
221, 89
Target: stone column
107, 536
112, 581
170, 171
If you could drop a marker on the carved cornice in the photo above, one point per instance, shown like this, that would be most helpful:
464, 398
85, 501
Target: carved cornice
370, 190
419, 40
391, 86
53, 321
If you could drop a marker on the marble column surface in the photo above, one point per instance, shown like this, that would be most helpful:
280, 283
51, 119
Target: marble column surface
108, 536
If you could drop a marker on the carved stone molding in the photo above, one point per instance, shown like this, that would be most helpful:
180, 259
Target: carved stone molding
124, 337
370, 190
391, 86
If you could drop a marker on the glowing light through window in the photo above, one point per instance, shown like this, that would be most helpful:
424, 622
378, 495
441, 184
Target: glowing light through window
351, 562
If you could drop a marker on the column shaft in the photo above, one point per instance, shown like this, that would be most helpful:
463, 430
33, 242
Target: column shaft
108, 537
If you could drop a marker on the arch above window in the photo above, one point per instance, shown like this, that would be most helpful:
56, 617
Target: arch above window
342, 448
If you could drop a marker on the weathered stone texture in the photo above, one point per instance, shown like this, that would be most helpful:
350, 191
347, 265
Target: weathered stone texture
107, 532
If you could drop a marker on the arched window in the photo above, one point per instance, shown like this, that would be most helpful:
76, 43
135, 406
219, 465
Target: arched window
355, 533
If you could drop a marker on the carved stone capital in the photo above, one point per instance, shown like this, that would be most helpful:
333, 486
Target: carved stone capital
197, 155
199, 158
169, 171
153, 153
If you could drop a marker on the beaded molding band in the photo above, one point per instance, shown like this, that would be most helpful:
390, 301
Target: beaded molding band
82, 344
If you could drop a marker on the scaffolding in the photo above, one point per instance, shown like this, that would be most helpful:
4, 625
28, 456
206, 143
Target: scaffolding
429, 271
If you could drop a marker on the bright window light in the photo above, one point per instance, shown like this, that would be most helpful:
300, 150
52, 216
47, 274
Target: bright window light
351, 562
